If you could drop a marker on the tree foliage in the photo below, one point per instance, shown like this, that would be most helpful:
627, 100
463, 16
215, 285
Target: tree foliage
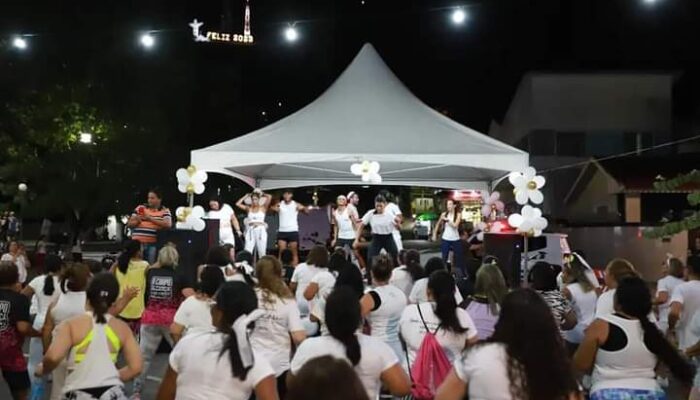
84, 183
689, 222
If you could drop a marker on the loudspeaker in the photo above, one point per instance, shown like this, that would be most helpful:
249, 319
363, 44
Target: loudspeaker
192, 247
508, 248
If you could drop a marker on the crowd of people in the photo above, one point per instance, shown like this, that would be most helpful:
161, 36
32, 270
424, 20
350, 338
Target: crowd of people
249, 325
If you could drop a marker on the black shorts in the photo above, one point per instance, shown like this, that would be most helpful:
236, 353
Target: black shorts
288, 237
17, 381
344, 242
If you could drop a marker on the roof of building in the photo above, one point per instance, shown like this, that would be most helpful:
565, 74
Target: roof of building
637, 174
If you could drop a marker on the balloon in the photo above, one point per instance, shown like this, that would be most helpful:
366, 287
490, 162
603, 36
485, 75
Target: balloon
199, 225
191, 170
182, 176
356, 169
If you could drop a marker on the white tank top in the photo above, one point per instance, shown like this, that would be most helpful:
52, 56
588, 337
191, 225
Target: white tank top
584, 305
258, 217
629, 368
449, 232
384, 321
69, 305
345, 226
96, 369
288, 217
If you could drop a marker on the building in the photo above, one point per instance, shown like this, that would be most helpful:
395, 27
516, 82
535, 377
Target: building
565, 119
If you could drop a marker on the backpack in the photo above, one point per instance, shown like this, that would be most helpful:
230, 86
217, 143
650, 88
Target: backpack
430, 367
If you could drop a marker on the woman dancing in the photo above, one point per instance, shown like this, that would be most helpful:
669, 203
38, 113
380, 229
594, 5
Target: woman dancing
383, 224
255, 204
450, 221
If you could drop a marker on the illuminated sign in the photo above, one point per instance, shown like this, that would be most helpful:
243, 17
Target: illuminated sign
224, 37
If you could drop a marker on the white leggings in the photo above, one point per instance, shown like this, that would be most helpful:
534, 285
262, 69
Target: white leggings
256, 238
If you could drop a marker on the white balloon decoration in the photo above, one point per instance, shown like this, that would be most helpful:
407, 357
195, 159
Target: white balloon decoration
368, 170
529, 222
190, 180
527, 186
492, 203
190, 218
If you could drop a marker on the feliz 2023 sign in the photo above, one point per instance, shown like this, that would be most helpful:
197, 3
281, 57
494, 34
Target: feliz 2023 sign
225, 37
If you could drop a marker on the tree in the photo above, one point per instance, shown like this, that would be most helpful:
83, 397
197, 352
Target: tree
689, 222
83, 182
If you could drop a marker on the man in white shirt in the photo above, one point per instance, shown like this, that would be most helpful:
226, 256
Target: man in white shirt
685, 302
288, 232
394, 210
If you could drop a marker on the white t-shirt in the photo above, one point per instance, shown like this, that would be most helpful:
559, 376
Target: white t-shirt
43, 301
288, 217
325, 281
485, 369
346, 229
381, 224
270, 338
375, 358
393, 210
204, 374
20, 262
688, 294
449, 232
224, 215
419, 293
195, 315
402, 279
413, 330
384, 321
606, 305
303, 273
667, 284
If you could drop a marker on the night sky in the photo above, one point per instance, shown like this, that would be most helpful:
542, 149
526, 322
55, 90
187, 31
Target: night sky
204, 93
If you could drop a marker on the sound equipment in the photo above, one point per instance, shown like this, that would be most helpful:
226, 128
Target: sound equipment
508, 249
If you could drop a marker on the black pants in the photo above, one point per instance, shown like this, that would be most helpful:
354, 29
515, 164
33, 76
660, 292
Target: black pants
380, 242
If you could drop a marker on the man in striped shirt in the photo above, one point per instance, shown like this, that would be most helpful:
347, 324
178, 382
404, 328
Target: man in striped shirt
147, 220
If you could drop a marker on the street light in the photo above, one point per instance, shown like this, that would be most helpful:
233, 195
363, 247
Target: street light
291, 34
147, 40
19, 43
85, 138
459, 16
22, 187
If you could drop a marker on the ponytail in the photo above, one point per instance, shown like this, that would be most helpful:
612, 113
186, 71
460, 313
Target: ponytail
442, 286
634, 298
241, 269
131, 249
101, 294
412, 262
53, 264
48, 285
234, 300
343, 318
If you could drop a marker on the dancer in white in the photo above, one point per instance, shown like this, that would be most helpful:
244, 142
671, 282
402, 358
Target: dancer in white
393, 209
382, 223
256, 227
344, 225
228, 223
353, 200
288, 232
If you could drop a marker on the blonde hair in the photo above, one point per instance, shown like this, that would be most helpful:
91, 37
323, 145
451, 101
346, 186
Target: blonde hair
619, 268
269, 273
168, 256
491, 284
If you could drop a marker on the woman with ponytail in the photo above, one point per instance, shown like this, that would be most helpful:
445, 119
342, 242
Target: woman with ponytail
70, 303
221, 364
624, 348
374, 361
45, 289
130, 271
91, 343
453, 327
410, 270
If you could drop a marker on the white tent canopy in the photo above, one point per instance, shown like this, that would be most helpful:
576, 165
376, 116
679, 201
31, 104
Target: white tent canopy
367, 114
